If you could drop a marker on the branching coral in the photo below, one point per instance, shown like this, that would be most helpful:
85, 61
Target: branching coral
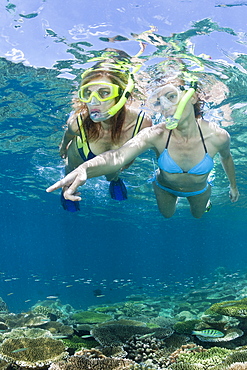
236, 356
211, 357
142, 349
237, 366
84, 363
185, 348
32, 353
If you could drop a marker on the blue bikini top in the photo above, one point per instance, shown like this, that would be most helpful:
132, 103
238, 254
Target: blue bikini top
166, 163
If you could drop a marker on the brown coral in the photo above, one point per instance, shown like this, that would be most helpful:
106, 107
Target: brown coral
90, 353
185, 348
84, 363
32, 353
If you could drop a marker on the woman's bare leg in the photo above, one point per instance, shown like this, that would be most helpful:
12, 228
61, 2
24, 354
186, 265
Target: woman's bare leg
166, 202
199, 202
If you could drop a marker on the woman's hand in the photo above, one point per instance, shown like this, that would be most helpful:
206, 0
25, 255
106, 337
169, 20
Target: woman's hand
234, 194
70, 184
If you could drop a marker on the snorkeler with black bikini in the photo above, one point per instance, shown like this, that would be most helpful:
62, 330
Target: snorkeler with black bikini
102, 121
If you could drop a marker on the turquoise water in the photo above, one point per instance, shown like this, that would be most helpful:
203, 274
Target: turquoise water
121, 248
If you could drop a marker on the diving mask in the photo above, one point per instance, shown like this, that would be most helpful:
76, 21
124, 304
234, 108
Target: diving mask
105, 91
163, 98
168, 96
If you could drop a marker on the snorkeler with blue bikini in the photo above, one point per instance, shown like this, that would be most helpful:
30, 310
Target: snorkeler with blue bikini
185, 145
102, 120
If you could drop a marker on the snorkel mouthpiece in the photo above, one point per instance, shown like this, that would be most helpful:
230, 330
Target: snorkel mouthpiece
172, 122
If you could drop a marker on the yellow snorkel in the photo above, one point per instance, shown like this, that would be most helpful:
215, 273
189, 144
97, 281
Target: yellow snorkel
126, 94
172, 122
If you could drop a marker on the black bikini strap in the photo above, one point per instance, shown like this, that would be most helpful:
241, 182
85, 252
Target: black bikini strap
168, 139
203, 142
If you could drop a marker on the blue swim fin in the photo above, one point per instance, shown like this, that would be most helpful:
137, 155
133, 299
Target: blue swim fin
69, 205
118, 190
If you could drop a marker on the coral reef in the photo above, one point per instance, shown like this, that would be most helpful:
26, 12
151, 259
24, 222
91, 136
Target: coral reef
236, 356
117, 334
186, 327
236, 309
32, 353
27, 333
237, 366
211, 357
3, 306
144, 349
185, 348
90, 317
58, 329
84, 363
76, 343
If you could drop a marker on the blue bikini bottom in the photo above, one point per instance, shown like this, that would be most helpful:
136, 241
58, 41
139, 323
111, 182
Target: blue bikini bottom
180, 193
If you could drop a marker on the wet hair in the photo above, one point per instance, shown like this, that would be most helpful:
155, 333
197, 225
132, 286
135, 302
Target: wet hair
116, 76
174, 71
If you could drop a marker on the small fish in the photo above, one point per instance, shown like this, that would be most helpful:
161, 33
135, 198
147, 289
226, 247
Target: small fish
19, 350
69, 286
59, 336
86, 336
208, 333
146, 335
52, 297
10, 293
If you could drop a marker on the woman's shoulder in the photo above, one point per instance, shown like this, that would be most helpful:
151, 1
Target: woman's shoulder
217, 134
132, 115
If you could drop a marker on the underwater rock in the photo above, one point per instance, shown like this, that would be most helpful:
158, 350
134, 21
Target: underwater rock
32, 353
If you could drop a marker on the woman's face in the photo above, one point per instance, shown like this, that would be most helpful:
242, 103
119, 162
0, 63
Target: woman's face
99, 95
165, 99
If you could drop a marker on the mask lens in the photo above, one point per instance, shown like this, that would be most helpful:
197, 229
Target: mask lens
164, 98
102, 92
